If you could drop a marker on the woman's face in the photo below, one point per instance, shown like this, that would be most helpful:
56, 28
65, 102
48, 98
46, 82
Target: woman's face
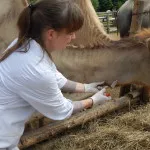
58, 40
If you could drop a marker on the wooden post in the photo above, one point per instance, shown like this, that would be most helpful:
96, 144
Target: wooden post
108, 22
136, 16
140, 16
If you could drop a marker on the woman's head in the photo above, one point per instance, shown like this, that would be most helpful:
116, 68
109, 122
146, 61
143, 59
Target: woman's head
49, 15
49, 22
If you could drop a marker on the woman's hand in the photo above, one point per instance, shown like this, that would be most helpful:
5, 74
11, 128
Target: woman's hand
94, 87
97, 99
100, 98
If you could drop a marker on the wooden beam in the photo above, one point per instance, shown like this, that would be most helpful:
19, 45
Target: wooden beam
53, 129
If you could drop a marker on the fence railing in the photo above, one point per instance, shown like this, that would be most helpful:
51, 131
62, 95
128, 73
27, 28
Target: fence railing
108, 18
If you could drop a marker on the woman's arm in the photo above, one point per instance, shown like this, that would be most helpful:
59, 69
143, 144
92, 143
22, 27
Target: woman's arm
73, 87
81, 105
97, 99
42, 93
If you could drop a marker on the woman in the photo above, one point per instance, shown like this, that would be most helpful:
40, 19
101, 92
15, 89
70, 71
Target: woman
29, 80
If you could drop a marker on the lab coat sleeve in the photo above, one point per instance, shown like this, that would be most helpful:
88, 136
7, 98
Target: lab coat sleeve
42, 92
61, 79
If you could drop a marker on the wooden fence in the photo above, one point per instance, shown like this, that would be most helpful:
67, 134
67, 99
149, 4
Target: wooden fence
108, 18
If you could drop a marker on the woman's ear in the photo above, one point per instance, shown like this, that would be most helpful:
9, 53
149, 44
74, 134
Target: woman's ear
51, 34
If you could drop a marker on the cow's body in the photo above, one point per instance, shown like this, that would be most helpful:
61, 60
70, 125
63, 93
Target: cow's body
125, 61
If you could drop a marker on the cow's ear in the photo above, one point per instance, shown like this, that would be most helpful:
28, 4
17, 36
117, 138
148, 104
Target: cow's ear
148, 43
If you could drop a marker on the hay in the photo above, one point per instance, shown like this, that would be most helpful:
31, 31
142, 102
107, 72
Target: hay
129, 131
121, 130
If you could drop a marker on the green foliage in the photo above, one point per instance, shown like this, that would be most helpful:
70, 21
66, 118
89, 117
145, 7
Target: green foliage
32, 1
117, 3
105, 5
101, 5
95, 4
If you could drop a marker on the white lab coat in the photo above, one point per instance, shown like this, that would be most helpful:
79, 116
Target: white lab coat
28, 82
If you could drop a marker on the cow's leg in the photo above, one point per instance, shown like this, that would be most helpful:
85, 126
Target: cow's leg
145, 92
145, 95
124, 90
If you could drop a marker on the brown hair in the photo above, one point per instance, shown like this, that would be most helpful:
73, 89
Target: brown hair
46, 14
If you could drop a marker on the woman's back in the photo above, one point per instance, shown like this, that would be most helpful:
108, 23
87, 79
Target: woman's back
16, 73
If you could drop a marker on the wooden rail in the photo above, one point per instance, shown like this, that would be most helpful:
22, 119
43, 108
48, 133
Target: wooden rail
109, 20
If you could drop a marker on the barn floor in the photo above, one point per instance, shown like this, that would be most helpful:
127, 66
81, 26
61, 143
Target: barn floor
127, 129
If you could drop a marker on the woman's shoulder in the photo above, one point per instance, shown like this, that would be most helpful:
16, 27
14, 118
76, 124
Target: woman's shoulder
30, 53
34, 59
28, 47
